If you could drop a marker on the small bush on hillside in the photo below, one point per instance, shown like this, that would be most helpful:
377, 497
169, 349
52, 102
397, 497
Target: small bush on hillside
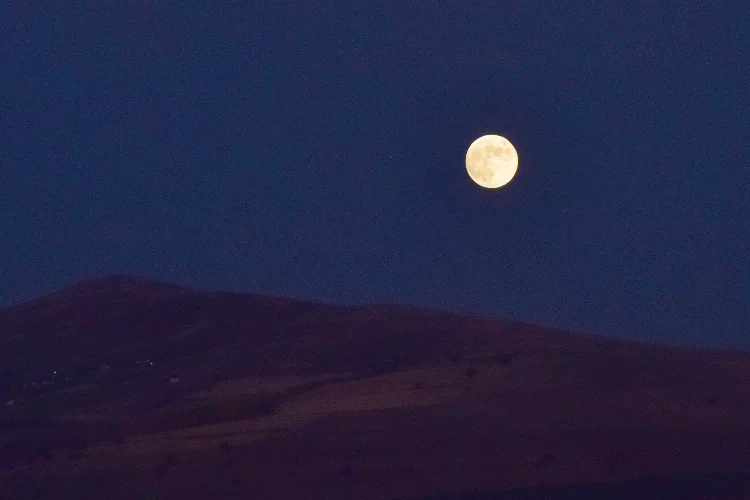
470, 373
7, 463
506, 358
78, 444
546, 460
161, 470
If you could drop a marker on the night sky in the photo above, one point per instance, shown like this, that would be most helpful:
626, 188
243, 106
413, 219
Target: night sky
319, 153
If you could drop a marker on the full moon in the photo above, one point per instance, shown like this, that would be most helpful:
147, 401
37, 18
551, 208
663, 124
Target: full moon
491, 161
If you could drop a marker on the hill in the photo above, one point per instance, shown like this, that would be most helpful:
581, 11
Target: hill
118, 320
124, 378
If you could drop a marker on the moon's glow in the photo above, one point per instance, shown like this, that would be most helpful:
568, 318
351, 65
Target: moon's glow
491, 161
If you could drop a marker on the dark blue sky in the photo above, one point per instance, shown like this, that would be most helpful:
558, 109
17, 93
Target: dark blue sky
319, 153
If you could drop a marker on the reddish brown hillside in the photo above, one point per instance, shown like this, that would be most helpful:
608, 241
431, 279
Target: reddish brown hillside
375, 401
120, 320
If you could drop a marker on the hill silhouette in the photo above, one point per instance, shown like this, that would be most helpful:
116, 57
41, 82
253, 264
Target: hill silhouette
374, 400
122, 319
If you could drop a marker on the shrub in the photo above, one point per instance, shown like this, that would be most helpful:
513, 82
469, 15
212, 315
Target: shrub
419, 385
470, 372
161, 470
550, 459
224, 447
506, 358
7, 463
77, 444
546, 460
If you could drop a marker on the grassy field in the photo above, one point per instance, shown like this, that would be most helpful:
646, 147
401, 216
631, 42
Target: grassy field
482, 427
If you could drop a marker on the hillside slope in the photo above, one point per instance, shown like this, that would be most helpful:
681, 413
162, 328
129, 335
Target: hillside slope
119, 320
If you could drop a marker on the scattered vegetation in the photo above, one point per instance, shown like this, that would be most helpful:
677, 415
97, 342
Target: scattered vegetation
470, 372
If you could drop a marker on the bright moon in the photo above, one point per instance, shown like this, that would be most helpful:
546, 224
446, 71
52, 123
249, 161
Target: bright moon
491, 161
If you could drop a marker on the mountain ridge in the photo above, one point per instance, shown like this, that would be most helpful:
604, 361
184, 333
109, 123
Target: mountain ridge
120, 319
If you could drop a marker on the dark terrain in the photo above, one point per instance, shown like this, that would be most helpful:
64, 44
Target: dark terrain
121, 387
